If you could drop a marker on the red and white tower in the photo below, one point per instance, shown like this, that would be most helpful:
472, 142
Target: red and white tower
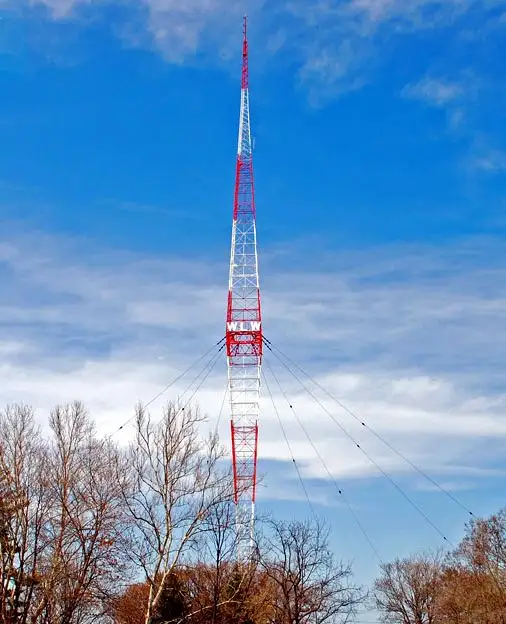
244, 329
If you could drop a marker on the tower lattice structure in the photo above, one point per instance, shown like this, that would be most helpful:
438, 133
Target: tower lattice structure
244, 328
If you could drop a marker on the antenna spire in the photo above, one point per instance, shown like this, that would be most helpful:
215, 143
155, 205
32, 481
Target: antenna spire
245, 77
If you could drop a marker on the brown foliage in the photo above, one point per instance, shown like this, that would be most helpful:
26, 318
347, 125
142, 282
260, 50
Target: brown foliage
474, 584
242, 598
483, 549
251, 595
467, 597
243, 594
130, 608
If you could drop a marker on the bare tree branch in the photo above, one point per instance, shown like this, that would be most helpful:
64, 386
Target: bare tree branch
311, 587
175, 481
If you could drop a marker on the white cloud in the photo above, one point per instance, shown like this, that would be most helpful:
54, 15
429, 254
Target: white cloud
410, 340
490, 160
179, 29
460, 100
346, 41
434, 91
336, 43
61, 8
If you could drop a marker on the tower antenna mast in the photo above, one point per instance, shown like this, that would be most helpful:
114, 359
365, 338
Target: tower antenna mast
244, 328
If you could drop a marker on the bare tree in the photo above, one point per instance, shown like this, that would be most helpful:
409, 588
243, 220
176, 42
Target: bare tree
24, 506
82, 556
407, 591
310, 586
175, 481
223, 589
63, 552
215, 550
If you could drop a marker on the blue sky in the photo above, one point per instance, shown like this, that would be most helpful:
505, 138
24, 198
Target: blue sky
380, 155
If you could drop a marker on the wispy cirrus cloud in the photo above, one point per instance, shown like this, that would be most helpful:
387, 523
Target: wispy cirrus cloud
337, 44
60, 9
181, 29
489, 160
452, 96
347, 43
460, 100
434, 91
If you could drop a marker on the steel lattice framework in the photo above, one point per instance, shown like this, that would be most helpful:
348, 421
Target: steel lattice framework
244, 329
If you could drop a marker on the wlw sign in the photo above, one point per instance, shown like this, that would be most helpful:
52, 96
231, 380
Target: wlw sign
234, 326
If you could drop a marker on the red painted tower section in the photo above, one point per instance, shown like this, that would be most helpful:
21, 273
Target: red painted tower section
244, 328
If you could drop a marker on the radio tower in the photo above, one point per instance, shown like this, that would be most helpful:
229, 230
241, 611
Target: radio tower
244, 330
